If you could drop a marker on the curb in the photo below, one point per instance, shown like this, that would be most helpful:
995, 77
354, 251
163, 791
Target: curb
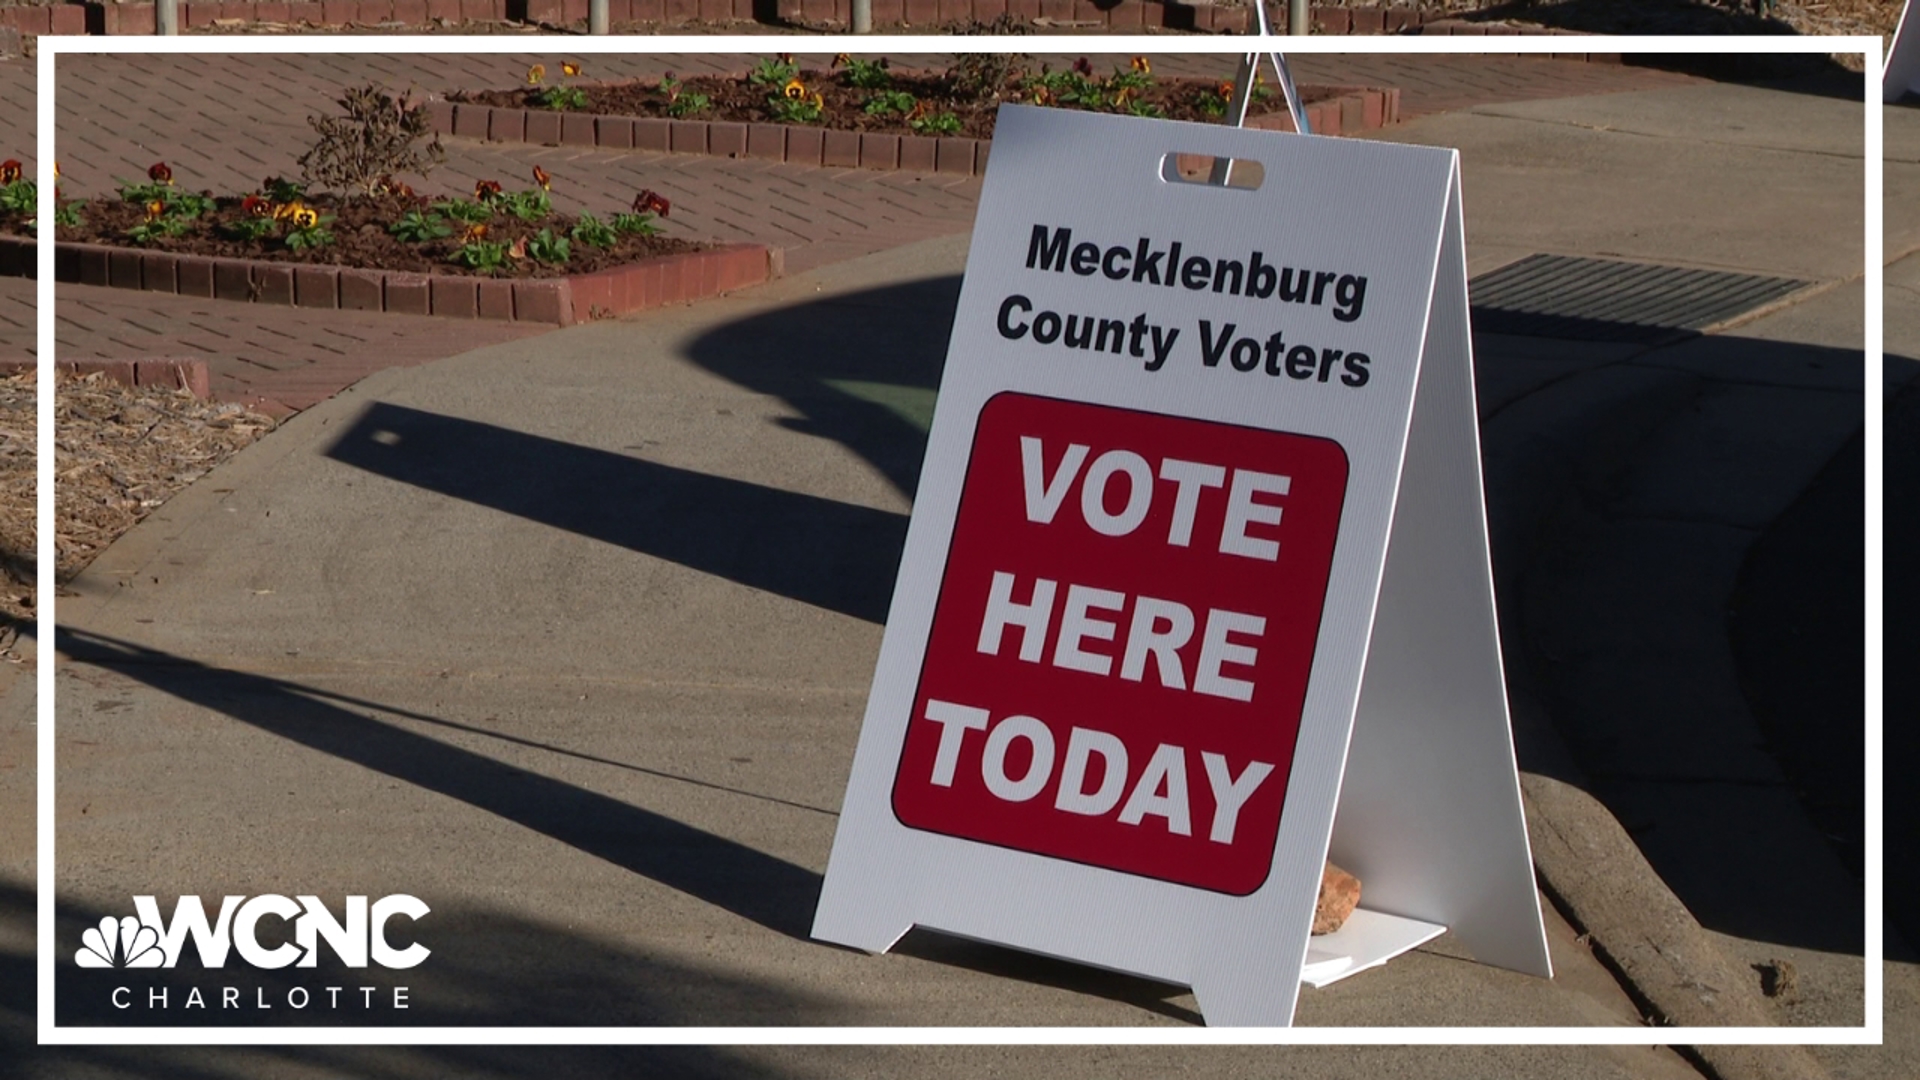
173, 373
111, 19
1594, 872
1356, 109
564, 301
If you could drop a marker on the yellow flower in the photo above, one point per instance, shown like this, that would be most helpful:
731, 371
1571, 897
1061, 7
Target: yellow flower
794, 89
155, 209
841, 58
286, 211
1141, 65
535, 74
817, 102
305, 218
570, 69
477, 231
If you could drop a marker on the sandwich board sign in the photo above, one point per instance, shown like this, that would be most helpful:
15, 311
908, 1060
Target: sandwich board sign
1198, 554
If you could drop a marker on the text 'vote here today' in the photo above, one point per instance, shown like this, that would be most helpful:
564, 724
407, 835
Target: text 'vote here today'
1123, 638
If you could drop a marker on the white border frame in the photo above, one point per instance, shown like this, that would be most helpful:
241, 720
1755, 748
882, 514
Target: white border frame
48, 1033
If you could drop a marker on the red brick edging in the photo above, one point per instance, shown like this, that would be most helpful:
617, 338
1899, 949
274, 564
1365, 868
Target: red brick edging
173, 373
119, 19
557, 301
1356, 109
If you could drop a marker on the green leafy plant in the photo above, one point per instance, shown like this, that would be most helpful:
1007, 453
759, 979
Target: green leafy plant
804, 109
867, 74
159, 227
548, 248
189, 205
1136, 107
485, 256
935, 124
463, 210
251, 229
19, 197
528, 206
890, 101
67, 215
417, 228
591, 231
281, 190
313, 234
635, 224
561, 97
687, 105
774, 71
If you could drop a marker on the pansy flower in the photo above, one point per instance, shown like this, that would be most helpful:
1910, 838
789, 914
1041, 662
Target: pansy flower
650, 201
486, 190
1083, 66
570, 69
1142, 65
255, 206
795, 89
305, 218
155, 209
535, 74
541, 177
11, 171
159, 173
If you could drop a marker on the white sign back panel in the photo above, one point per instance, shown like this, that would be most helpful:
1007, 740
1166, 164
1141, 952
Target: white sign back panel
1113, 703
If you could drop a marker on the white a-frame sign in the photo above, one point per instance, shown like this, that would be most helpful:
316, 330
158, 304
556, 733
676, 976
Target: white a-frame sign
1199, 552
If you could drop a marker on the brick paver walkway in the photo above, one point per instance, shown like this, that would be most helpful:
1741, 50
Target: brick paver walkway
226, 122
17, 134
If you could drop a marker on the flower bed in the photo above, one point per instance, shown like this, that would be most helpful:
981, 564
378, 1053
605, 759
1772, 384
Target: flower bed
387, 251
883, 139
869, 96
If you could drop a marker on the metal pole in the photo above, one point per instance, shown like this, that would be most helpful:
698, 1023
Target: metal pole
1297, 17
599, 18
166, 17
863, 16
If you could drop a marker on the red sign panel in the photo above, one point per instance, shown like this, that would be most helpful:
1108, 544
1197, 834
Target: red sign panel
1120, 649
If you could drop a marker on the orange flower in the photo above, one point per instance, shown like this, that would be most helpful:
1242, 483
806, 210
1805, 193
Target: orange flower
477, 231
841, 58
485, 190
795, 89
651, 202
288, 211
159, 173
535, 74
155, 209
540, 177
518, 249
255, 206
11, 171
570, 69
1225, 90
1141, 65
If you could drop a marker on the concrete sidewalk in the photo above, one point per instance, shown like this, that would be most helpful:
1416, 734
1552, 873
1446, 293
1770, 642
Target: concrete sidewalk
377, 650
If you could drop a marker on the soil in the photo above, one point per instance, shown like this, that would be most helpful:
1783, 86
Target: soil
843, 107
361, 238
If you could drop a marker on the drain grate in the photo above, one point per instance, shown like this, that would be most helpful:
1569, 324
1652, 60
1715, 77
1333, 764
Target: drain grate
1559, 296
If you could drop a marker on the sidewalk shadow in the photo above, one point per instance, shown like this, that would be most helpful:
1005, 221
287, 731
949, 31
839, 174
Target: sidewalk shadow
819, 551
725, 873
861, 369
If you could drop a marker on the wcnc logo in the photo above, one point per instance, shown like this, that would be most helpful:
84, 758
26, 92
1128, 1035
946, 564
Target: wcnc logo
358, 937
149, 942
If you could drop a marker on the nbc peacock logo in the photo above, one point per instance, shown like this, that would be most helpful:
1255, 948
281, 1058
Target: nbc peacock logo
120, 943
